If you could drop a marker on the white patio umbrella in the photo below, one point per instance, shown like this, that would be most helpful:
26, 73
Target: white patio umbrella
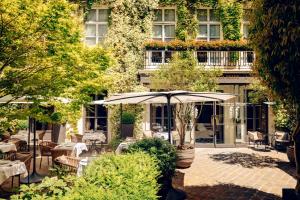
171, 97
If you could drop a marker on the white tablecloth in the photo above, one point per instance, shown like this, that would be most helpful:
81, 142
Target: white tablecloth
94, 136
6, 147
76, 148
124, 145
11, 168
162, 135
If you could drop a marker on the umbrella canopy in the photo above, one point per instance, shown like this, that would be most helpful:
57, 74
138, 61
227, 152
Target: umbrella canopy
171, 97
162, 97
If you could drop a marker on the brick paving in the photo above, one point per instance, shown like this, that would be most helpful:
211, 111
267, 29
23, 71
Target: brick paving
236, 174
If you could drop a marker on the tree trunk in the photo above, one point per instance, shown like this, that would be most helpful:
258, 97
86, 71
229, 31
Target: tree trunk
296, 137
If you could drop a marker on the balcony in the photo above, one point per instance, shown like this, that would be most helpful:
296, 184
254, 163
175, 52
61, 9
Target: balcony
224, 60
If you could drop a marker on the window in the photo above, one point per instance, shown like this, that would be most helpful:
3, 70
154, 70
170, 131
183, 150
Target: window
159, 117
161, 56
164, 24
202, 57
245, 23
96, 26
209, 25
96, 116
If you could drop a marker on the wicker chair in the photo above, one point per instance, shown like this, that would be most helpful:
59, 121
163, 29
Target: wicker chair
11, 155
76, 138
26, 158
68, 163
55, 153
45, 149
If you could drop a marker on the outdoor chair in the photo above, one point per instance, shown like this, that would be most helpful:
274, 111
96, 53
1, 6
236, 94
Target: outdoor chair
11, 155
26, 158
256, 138
55, 153
68, 163
45, 149
281, 140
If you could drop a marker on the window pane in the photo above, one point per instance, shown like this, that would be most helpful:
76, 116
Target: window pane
170, 15
90, 30
90, 41
203, 31
202, 57
103, 15
101, 111
202, 15
157, 31
102, 30
168, 56
245, 31
170, 31
91, 15
102, 124
213, 15
157, 58
158, 15
214, 31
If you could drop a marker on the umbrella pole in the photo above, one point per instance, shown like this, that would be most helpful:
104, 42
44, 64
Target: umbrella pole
34, 177
29, 131
169, 118
121, 113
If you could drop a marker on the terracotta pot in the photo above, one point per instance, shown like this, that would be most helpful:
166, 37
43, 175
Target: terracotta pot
291, 154
185, 157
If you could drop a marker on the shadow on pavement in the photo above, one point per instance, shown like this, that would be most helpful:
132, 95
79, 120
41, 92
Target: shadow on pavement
227, 192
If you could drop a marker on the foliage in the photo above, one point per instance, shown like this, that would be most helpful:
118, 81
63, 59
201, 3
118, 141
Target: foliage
163, 151
276, 38
222, 45
114, 143
42, 56
50, 188
259, 92
230, 16
127, 118
130, 176
275, 34
182, 73
284, 119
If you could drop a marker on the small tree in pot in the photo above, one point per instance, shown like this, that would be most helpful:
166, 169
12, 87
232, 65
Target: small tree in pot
182, 73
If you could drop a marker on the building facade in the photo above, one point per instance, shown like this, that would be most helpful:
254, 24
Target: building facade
233, 118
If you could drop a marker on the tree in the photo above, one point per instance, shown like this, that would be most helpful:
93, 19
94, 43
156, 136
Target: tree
42, 56
276, 38
182, 73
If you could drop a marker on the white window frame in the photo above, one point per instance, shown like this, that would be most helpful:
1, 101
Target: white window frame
208, 23
163, 58
164, 23
97, 23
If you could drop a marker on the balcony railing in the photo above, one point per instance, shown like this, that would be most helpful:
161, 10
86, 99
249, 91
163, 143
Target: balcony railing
225, 60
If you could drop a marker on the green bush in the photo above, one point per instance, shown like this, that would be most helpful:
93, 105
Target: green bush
129, 176
49, 188
113, 177
114, 143
162, 150
128, 118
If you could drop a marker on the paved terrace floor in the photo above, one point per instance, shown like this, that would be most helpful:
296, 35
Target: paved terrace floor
236, 174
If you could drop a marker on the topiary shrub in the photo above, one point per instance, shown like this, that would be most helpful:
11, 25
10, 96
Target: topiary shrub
162, 150
128, 118
165, 154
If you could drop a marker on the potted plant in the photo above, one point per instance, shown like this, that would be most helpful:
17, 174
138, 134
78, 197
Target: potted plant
183, 73
127, 124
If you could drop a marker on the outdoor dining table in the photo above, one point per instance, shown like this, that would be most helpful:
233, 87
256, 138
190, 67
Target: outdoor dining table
11, 168
94, 138
7, 147
75, 148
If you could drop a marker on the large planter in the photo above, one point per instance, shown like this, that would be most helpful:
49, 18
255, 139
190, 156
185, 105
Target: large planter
127, 130
185, 157
290, 151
